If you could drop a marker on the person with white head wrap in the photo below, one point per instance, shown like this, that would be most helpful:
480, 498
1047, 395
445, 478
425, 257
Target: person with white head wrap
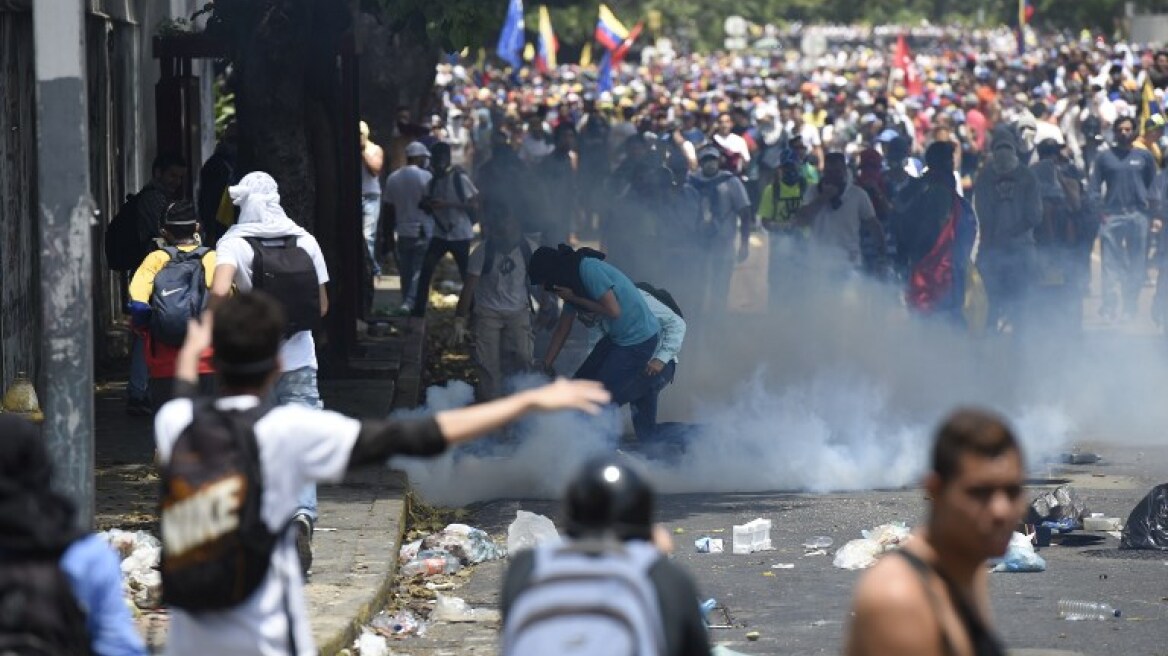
262, 217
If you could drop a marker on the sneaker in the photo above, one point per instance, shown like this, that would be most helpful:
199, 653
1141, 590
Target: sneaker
304, 543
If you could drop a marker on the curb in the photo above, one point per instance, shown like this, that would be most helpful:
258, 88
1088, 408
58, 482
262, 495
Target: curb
407, 393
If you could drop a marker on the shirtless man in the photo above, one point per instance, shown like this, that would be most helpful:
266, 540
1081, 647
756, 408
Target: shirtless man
932, 597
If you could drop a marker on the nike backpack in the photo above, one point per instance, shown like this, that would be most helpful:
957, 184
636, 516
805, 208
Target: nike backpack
180, 294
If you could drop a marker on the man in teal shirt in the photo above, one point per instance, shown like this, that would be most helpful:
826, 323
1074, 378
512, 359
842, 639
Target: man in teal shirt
588, 284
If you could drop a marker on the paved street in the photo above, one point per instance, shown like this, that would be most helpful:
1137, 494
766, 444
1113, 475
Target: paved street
803, 610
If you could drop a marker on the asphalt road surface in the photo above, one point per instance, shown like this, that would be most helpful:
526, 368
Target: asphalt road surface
804, 610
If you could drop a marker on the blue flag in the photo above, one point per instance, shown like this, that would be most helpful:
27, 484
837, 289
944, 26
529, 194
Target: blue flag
511, 39
604, 77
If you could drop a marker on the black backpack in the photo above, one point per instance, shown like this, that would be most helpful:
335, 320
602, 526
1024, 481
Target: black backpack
216, 549
286, 272
123, 250
39, 614
180, 294
489, 255
661, 295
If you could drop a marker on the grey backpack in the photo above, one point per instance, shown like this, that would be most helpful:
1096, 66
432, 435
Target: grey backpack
180, 294
588, 598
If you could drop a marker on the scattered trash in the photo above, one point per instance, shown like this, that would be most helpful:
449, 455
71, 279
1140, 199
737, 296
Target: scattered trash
1069, 609
409, 551
818, 623
529, 530
679, 530
431, 562
753, 536
1062, 502
1147, 525
140, 554
768, 573
722, 650
455, 609
403, 622
1020, 557
817, 552
752, 636
708, 545
1062, 524
372, 644
469, 544
783, 566
818, 543
862, 553
1102, 523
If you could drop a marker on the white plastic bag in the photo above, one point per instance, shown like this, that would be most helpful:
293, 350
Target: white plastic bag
529, 530
1020, 557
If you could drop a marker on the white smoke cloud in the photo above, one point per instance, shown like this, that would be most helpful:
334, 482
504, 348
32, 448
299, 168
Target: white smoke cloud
841, 391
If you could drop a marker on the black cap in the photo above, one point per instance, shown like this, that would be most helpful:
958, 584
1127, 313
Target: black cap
609, 498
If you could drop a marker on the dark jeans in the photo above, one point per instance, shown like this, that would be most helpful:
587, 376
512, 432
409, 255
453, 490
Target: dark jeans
437, 249
622, 370
644, 405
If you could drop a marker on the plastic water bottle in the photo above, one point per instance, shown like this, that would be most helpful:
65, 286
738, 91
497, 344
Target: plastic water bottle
1070, 609
429, 563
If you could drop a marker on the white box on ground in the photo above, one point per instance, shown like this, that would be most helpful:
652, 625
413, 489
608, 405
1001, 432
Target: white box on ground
753, 536
1102, 524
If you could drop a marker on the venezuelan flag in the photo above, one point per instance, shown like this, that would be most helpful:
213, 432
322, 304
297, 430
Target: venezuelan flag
545, 58
610, 32
937, 283
1025, 14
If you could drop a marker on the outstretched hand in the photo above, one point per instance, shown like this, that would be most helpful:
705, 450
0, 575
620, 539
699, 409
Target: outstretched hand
198, 334
563, 394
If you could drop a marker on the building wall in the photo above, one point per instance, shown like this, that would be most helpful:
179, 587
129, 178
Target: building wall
20, 307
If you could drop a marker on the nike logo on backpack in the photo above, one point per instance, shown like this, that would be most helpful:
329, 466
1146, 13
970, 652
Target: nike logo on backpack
168, 292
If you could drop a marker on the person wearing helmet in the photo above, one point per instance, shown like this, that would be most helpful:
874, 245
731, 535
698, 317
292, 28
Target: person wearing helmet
780, 202
615, 565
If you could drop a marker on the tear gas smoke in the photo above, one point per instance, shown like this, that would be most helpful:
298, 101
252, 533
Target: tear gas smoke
840, 390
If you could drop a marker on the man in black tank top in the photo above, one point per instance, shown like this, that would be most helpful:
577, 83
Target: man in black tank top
932, 598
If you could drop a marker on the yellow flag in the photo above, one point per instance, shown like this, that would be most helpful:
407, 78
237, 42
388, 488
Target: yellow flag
1146, 99
528, 52
586, 56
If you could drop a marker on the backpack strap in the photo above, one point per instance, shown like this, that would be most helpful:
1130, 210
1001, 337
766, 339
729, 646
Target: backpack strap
171, 251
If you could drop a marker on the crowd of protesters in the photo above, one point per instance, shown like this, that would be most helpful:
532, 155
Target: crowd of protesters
946, 164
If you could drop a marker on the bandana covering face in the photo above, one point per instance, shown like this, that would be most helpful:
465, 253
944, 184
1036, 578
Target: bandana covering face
260, 213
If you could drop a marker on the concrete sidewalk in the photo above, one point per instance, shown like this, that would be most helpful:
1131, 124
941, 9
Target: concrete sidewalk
361, 520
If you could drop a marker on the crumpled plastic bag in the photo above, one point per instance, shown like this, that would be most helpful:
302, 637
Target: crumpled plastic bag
1061, 503
469, 544
371, 644
403, 622
529, 530
1147, 525
1020, 557
455, 609
141, 554
862, 553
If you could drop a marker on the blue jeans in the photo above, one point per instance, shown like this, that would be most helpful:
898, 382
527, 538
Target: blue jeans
370, 215
299, 387
1123, 245
410, 253
137, 388
644, 404
620, 368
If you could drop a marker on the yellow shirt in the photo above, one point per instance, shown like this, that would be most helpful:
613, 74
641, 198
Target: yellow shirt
142, 284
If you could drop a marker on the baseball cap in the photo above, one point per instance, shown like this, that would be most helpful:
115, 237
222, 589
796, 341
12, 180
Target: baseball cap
417, 149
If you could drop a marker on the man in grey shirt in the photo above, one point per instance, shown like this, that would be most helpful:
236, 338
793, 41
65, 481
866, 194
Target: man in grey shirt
1123, 177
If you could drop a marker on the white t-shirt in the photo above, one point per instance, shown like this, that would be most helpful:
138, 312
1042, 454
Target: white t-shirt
297, 446
504, 288
299, 350
451, 223
404, 189
839, 229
